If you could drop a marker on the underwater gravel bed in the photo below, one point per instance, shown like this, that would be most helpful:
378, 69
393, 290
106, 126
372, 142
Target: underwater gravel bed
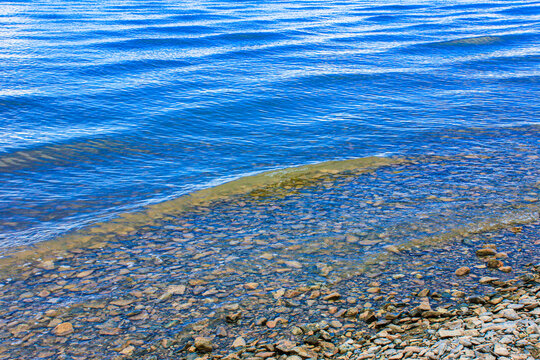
356, 250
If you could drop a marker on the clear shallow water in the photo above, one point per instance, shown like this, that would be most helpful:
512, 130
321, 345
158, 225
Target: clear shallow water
107, 108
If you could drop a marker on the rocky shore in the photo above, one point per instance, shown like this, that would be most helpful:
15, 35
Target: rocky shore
502, 325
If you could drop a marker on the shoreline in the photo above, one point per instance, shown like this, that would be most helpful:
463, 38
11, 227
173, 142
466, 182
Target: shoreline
273, 182
353, 251
503, 325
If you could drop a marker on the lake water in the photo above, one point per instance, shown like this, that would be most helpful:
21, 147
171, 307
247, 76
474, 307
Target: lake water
109, 107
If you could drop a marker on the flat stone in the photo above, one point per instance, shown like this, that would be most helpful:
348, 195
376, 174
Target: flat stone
63, 329
128, 350
122, 302
294, 357
414, 349
462, 271
487, 279
501, 350
176, 289
251, 286
239, 342
336, 324
47, 265
285, 346
424, 306
332, 296
486, 252
265, 354
85, 273
494, 263
510, 314
443, 334
294, 264
393, 249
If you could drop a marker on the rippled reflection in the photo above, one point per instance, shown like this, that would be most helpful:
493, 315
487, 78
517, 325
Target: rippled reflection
108, 107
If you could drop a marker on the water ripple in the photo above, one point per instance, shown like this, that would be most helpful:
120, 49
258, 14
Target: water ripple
106, 107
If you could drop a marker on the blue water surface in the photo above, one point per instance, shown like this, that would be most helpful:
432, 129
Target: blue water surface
108, 106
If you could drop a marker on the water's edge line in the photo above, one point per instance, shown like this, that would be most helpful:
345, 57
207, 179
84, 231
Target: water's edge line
96, 235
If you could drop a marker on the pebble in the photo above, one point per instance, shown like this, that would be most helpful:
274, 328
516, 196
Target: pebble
128, 350
294, 357
392, 248
487, 279
239, 342
450, 333
501, 350
462, 271
203, 344
494, 263
251, 286
486, 252
63, 329
510, 314
332, 296
47, 265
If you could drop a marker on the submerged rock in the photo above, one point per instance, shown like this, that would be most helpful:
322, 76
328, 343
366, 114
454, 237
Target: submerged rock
63, 329
462, 271
203, 344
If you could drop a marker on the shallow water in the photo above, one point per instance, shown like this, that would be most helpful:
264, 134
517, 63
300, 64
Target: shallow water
106, 108
276, 252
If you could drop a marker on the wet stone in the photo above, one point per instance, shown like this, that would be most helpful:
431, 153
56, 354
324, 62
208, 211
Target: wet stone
148, 285
462, 271
203, 344
63, 329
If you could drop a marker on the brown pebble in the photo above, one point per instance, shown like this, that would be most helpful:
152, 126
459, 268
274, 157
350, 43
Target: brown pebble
494, 263
485, 252
332, 296
203, 344
239, 342
462, 271
271, 324
251, 286
85, 273
63, 329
